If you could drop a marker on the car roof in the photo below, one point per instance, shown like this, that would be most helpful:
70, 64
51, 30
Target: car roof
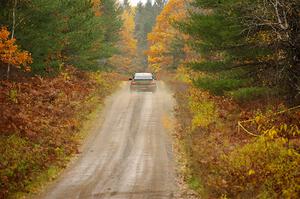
143, 74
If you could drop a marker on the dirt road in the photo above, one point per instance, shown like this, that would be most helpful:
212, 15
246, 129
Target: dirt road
129, 155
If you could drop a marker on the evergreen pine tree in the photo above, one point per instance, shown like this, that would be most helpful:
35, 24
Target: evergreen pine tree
244, 53
111, 26
216, 31
158, 6
40, 33
64, 32
81, 33
126, 4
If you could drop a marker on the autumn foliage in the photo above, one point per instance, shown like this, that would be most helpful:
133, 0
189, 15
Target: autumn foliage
235, 164
232, 63
127, 45
10, 52
42, 116
40, 122
166, 43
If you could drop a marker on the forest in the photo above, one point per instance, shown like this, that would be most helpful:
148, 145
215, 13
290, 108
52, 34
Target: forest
237, 78
59, 60
233, 66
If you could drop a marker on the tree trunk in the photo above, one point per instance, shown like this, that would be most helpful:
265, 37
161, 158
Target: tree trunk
12, 30
294, 57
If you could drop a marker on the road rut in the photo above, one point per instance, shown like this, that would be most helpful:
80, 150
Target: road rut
130, 154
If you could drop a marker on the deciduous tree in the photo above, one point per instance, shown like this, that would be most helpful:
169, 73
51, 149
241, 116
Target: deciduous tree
11, 54
144, 21
167, 44
125, 60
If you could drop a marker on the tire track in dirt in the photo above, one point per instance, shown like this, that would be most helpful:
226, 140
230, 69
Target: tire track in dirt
129, 154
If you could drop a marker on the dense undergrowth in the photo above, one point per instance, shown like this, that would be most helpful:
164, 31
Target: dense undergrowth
40, 122
222, 162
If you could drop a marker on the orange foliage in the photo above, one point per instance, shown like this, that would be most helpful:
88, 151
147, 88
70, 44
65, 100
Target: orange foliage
10, 53
96, 4
163, 34
127, 44
40, 121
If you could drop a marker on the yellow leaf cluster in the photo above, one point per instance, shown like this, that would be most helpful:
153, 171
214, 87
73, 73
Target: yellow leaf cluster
284, 130
96, 4
274, 125
203, 109
163, 34
251, 172
128, 40
183, 74
127, 44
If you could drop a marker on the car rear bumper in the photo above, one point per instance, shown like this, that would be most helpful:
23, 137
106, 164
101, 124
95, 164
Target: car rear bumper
143, 88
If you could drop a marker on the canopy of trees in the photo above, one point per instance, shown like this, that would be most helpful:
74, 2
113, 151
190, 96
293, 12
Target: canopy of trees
167, 45
125, 60
144, 21
247, 46
236, 62
57, 33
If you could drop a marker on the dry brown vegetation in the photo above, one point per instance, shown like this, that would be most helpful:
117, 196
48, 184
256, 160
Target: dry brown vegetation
40, 122
222, 162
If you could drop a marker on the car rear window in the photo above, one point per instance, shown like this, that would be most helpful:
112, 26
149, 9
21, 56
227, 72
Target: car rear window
143, 77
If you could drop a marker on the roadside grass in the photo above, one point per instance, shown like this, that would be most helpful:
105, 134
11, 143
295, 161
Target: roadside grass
197, 185
38, 183
42, 180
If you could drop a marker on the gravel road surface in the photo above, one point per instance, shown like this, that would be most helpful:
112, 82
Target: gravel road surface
128, 156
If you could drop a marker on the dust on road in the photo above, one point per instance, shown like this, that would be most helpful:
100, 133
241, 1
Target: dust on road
130, 154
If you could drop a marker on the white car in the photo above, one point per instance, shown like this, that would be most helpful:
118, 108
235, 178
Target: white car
143, 82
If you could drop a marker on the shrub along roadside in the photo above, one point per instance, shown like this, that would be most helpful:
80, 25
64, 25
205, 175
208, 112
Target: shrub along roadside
41, 122
222, 163
265, 168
